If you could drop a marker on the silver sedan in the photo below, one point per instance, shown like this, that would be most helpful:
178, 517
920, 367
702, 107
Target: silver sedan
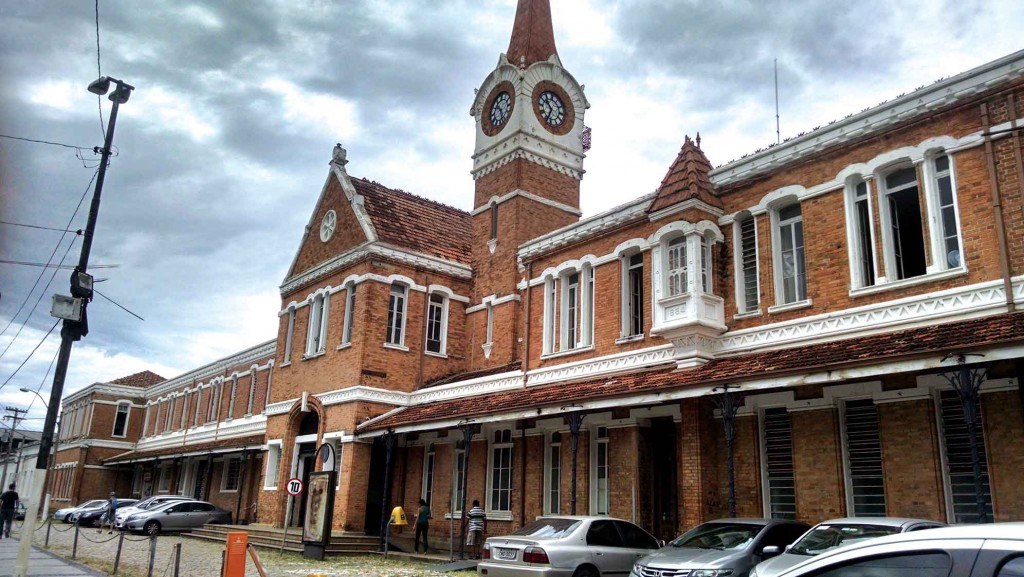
567, 546
176, 516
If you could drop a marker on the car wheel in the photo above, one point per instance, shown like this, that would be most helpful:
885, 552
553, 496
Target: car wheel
151, 528
585, 572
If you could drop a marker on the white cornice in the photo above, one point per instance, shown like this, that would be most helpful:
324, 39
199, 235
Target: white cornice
216, 368
505, 198
492, 159
104, 389
602, 366
578, 231
98, 443
686, 205
885, 115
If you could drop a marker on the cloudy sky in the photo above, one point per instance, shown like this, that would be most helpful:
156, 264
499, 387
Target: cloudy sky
223, 147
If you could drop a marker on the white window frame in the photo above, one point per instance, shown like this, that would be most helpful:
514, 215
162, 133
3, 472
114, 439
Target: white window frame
847, 464
397, 316
231, 399
493, 448
551, 449
629, 308
936, 228
287, 358
550, 315
169, 415
225, 469
127, 416
777, 234
740, 279
199, 404
677, 244
250, 404
316, 333
458, 454
886, 224
145, 422
597, 444
350, 305
275, 449
185, 396
575, 315
429, 469
164, 481
856, 237
707, 273
443, 321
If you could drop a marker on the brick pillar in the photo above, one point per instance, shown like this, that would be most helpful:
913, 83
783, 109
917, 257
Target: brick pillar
1000, 415
698, 496
817, 465
910, 458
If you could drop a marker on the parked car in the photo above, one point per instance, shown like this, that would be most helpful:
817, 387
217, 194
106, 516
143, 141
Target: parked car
176, 516
62, 514
145, 505
569, 546
723, 547
990, 550
91, 517
837, 533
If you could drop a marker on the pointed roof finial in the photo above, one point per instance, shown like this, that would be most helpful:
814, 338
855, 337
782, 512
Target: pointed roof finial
533, 38
687, 178
698, 141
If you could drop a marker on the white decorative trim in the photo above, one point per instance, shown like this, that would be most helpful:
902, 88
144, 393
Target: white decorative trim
216, 368
279, 408
685, 205
577, 231
105, 389
528, 195
99, 443
912, 281
793, 306
602, 366
493, 301
941, 93
952, 304
567, 352
491, 159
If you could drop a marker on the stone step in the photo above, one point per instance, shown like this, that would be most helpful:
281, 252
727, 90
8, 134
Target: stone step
270, 539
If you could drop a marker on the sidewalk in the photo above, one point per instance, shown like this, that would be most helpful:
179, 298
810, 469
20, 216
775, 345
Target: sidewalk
40, 563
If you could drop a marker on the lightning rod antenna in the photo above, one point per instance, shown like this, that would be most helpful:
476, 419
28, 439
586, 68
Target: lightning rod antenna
778, 135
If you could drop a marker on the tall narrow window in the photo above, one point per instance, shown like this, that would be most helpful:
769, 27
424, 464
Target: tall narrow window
199, 403
494, 220
436, 321
947, 210
396, 316
705, 265
184, 408
231, 476
550, 315
677, 274
316, 337
169, 414
490, 323
458, 470
145, 423
231, 399
778, 464
571, 311
748, 264
905, 230
288, 337
791, 254
121, 419
252, 392
553, 478
864, 254
865, 494
602, 488
633, 295
350, 307
961, 500
273, 465
501, 471
428, 473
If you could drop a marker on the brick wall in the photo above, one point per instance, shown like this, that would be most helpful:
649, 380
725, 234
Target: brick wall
817, 465
910, 459
1004, 429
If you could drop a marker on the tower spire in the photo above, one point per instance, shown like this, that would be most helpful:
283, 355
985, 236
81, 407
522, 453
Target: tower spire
533, 39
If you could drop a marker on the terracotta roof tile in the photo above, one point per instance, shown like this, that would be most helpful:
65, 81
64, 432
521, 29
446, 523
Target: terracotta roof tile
933, 339
687, 178
465, 376
142, 379
239, 442
533, 36
409, 221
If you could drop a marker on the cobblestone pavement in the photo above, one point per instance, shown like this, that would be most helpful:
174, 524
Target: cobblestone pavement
203, 558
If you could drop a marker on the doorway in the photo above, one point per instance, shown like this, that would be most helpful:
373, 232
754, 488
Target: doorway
306, 465
664, 512
375, 487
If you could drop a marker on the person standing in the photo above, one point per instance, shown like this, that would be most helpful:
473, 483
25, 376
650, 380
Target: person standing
477, 527
8, 504
108, 516
422, 519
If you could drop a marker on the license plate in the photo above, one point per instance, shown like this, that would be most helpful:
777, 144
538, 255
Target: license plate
505, 553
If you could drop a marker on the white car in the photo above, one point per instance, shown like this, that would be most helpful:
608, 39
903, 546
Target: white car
65, 513
144, 505
990, 550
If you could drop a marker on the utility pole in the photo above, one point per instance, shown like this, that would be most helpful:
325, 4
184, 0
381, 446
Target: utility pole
75, 326
10, 441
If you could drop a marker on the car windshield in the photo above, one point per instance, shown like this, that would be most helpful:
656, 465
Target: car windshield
719, 536
548, 528
91, 503
827, 537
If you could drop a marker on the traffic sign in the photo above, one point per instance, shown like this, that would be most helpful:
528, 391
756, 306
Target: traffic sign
294, 486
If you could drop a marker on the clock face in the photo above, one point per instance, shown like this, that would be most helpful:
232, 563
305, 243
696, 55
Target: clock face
552, 109
500, 109
327, 225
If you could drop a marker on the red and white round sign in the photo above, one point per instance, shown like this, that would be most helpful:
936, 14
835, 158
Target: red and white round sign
294, 486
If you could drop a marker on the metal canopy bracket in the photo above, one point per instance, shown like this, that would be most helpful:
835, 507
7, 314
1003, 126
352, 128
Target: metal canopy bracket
729, 401
966, 382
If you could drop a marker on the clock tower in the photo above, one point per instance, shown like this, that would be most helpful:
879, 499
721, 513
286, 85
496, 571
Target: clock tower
528, 159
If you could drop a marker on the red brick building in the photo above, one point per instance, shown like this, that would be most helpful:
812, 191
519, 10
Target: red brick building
545, 363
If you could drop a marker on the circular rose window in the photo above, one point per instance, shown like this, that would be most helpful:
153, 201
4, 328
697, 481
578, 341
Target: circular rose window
327, 225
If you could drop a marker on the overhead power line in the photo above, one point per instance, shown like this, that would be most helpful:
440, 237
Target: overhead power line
43, 340
112, 301
56, 266
50, 142
78, 232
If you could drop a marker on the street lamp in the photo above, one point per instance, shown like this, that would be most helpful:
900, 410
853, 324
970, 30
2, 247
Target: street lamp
74, 328
36, 393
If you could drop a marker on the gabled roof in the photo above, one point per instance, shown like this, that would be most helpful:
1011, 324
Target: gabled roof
533, 39
687, 179
408, 221
972, 334
140, 379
